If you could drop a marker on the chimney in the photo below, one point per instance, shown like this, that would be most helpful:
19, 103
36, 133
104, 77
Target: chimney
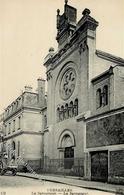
41, 92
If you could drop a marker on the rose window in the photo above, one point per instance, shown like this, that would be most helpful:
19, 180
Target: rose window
67, 84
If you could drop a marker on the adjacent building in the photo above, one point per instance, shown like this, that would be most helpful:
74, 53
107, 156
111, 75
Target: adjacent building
22, 126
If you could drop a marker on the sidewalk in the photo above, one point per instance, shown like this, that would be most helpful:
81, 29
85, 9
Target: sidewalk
76, 181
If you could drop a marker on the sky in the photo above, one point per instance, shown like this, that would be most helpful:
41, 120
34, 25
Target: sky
28, 30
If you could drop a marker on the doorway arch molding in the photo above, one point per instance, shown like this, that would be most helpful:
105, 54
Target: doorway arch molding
66, 133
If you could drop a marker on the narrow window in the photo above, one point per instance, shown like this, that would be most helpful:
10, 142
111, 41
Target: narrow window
19, 122
9, 128
18, 148
66, 111
71, 109
98, 98
5, 130
9, 151
76, 107
62, 112
58, 114
13, 125
105, 95
45, 121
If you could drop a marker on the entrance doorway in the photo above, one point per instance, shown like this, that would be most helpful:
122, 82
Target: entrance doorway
68, 157
99, 166
66, 145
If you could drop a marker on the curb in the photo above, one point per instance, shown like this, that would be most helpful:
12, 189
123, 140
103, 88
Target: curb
68, 183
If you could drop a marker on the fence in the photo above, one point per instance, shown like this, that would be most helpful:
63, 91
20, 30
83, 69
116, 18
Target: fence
66, 166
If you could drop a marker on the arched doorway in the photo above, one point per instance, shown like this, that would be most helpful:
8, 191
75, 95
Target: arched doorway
66, 146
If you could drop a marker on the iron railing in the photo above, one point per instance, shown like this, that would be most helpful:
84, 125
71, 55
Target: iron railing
66, 166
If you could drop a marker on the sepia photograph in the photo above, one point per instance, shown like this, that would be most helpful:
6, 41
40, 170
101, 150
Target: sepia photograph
61, 97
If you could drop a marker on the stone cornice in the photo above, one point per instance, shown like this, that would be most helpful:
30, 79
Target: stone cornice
105, 114
32, 108
21, 96
103, 75
20, 132
110, 57
65, 52
87, 22
21, 109
14, 134
13, 114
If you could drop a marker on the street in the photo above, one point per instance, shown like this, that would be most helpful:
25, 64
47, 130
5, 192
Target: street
13, 185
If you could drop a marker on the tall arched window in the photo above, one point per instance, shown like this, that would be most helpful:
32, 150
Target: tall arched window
62, 113
98, 98
66, 111
76, 107
105, 95
71, 109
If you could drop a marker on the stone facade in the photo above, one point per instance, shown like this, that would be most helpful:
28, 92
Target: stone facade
22, 126
83, 85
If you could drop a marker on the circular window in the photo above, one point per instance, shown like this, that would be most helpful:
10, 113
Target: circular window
67, 84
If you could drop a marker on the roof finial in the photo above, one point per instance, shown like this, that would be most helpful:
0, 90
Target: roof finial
58, 12
86, 12
66, 1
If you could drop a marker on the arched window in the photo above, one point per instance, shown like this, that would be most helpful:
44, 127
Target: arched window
105, 95
76, 107
71, 109
13, 145
62, 113
98, 98
66, 111
58, 114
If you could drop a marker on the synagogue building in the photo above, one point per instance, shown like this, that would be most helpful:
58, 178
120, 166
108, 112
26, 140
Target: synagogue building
79, 129
85, 103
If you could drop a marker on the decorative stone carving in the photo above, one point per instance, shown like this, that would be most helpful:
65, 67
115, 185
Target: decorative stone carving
82, 47
67, 84
49, 76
